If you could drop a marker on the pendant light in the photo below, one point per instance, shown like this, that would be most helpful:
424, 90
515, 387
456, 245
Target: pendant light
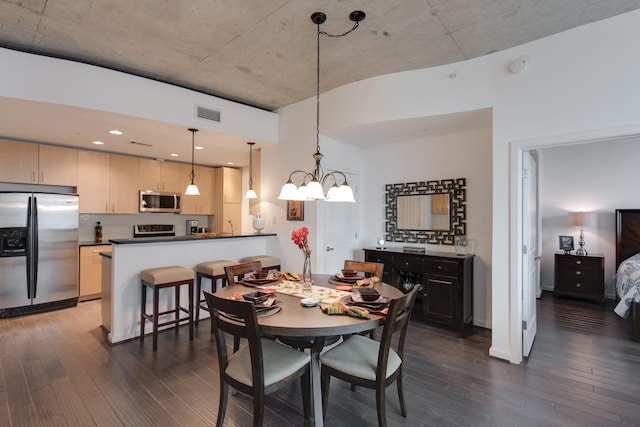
250, 193
313, 183
192, 189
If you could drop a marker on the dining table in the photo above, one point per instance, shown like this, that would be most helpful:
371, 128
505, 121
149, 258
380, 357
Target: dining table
294, 319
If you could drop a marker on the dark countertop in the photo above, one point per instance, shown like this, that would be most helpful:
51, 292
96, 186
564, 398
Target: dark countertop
183, 238
92, 243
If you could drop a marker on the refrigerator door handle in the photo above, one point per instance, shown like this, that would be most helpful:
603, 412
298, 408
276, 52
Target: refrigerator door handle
29, 247
35, 246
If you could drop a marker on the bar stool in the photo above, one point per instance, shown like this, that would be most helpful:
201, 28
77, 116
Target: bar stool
160, 278
214, 271
268, 262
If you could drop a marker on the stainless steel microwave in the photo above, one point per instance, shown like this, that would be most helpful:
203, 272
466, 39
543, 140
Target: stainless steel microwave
156, 201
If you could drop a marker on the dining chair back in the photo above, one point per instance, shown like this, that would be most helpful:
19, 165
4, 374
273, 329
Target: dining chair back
261, 367
379, 364
238, 271
369, 268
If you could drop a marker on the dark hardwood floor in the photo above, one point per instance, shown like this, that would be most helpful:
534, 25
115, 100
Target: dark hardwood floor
57, 370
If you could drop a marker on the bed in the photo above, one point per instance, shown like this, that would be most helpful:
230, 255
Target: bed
628, 267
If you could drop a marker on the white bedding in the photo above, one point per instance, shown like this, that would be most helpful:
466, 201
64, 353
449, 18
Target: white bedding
628, 285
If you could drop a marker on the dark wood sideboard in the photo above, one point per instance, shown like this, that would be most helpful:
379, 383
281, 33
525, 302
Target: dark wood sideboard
446, 279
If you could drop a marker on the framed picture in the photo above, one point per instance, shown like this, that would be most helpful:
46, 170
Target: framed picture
295, 210
566, 244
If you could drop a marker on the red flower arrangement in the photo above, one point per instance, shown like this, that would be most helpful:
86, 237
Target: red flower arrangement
299, 237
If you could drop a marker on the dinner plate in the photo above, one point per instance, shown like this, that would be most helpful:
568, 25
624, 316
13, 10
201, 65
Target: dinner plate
349, 278
342, 279
258, 282
344, 287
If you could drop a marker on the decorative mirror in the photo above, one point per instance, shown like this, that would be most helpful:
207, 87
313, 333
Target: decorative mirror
427, 211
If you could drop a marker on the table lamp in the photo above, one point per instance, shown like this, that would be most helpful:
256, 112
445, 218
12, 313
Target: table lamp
580, 219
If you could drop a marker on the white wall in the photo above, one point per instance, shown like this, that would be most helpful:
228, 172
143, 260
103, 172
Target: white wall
581, 83
459, 155
597, 177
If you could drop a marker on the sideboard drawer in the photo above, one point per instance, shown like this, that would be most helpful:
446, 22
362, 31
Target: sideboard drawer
440, 267
408, 263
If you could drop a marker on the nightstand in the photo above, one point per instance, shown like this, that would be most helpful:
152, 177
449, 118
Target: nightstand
579, 276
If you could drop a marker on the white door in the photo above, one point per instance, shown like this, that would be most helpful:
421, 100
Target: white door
339, 232
530, 258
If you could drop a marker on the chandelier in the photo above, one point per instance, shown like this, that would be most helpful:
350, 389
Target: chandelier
313, 183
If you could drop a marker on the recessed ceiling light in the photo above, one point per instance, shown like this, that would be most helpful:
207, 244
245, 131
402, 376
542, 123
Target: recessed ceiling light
198, 147
174, 155
97, 142
116, 132
229, 163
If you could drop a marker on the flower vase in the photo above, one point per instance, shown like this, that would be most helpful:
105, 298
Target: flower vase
306, 274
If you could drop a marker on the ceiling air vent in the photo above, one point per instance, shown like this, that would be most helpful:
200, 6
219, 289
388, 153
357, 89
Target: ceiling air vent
207, 114
140, 143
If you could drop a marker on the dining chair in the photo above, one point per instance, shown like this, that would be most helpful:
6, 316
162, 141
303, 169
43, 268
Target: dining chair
369, 268
238, 271
262, 367
378, 363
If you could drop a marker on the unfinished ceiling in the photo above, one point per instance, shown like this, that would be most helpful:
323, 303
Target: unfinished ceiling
262, 53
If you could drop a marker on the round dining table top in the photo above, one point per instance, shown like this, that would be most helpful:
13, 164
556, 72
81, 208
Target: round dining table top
297, 320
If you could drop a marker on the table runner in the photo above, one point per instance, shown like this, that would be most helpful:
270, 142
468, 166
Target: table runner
322, 294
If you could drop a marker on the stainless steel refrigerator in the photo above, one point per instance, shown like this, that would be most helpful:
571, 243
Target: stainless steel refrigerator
38, 252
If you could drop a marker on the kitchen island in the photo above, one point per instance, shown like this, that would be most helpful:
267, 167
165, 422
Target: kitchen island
121, 281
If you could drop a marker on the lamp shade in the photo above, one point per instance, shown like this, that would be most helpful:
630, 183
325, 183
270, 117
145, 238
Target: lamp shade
580, 219
251, 194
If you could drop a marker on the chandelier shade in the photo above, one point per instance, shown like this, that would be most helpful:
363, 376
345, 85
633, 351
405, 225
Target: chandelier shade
312, 184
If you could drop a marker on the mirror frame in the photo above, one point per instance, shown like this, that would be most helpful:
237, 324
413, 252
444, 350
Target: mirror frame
457, 189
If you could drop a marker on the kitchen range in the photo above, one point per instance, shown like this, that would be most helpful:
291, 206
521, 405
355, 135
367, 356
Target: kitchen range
38, 252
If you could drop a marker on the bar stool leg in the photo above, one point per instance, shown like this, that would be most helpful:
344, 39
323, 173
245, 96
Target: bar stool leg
143, 310
198, 291
156, 310
191, 310
177, 308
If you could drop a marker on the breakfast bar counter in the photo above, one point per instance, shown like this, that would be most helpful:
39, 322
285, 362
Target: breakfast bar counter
121, 317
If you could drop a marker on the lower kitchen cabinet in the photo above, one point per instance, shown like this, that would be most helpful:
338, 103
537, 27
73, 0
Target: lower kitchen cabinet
91, 271
446, 279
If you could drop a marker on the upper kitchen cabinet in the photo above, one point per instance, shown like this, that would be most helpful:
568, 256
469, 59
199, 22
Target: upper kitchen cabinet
58, 166
228, 197
28, 163
107, 183
230, 183
93, 182
204, 179
158, 175
124, 188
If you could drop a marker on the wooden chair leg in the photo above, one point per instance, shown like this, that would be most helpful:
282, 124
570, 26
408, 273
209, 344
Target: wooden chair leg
258, 409
403, 407
222, 405
305, 385
325, 382
381, 405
